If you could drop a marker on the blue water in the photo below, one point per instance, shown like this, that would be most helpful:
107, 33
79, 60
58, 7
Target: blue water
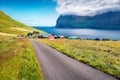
84, 33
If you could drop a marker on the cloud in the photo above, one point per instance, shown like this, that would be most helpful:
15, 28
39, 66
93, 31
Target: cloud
86, 7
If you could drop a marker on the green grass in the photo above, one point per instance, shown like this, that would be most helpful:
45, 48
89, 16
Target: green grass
18, 60
103, 55
8, 25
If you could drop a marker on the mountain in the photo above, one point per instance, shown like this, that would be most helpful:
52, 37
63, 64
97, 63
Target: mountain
109, 20
10, 26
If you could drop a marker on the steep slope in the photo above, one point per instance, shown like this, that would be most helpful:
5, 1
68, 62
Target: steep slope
10, 26
110, 20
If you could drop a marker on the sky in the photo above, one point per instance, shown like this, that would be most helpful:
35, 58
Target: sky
87, 7
31, 12
46, 12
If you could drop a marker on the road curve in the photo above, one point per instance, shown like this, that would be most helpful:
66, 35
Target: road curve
57, 66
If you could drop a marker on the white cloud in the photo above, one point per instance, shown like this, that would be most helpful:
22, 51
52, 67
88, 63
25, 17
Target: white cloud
86, 7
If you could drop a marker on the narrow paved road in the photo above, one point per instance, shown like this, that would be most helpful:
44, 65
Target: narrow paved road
57, 66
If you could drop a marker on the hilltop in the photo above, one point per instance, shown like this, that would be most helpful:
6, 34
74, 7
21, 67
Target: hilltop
9, 26
109, 20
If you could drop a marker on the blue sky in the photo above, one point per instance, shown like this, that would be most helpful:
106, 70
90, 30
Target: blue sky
31, 12
46, 12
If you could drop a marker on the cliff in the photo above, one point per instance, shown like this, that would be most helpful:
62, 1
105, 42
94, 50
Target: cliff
110, 20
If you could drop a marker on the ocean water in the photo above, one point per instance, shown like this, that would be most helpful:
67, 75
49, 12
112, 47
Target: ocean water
83, 33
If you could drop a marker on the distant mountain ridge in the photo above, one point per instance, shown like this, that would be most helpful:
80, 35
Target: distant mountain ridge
109, 20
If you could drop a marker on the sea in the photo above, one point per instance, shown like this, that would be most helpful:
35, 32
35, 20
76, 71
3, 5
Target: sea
83, 33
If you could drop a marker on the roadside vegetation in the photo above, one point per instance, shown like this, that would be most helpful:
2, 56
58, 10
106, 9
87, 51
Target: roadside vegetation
103, 55
18, 60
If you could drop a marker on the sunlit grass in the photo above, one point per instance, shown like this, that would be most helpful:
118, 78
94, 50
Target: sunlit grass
10, 26
103, 55
18, 60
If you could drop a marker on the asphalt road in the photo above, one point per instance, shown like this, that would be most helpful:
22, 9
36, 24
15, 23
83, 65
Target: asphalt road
57, 66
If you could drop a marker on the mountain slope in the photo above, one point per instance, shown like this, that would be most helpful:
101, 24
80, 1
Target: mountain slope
110, 20
10, 26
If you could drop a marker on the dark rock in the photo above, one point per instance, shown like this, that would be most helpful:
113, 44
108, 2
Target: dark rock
110, 20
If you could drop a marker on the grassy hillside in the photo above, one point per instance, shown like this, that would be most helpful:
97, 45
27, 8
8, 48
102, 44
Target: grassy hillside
10, 26
17, 56
103, 55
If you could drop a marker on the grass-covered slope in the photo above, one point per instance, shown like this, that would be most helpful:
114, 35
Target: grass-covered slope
17, 56
10, 26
